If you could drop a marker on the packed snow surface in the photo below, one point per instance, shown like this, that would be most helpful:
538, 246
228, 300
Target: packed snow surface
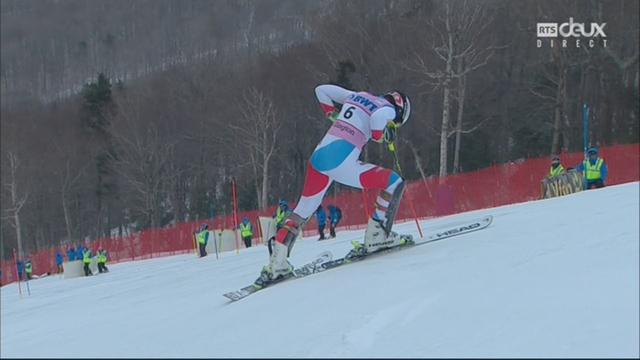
550, 278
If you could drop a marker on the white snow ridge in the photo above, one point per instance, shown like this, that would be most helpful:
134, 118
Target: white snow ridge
551, 278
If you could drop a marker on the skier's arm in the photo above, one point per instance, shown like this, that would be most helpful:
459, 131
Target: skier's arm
604, 171
328, 94
379, 120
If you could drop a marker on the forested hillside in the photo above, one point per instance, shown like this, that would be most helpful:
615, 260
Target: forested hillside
132, 112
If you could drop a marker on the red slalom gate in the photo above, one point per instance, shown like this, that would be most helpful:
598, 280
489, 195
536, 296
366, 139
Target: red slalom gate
502, 184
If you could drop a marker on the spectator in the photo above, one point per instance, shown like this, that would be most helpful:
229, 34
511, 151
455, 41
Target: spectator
71, 254
321, 217
246, 232
86, 260
556, 167
594, 169
203, 238
282, 211
59, 261
80, 252
335, 215
28, 269
20, 267
102, 261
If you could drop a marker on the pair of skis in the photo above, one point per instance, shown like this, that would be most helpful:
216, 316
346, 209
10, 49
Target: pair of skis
325, 260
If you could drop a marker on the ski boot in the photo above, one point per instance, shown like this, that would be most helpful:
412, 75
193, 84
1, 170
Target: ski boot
376, 239
279, 267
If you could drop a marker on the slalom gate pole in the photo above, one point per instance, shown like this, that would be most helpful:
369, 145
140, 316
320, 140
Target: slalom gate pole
215, 242
235, 215
28, 288
15, 262
195, 244
259, 227
394, 150
365, 201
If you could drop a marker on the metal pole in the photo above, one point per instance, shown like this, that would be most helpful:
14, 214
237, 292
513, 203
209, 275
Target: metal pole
394, 150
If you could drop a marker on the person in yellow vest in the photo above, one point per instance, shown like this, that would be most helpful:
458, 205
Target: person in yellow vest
86, 260
556, 167
102, 261
203, 238
28, 268
246, 232
594, 169
282, 211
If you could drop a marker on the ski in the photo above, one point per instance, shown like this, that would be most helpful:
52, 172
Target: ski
302, 271
448, 232
324, 261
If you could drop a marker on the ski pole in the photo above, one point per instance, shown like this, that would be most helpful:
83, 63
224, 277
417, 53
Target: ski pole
394, 151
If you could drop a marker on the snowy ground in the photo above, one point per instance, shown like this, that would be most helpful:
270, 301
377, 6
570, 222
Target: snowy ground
552, 278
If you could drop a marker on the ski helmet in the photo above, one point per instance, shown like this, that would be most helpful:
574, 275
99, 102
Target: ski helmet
592, 150
402, 105
283, 203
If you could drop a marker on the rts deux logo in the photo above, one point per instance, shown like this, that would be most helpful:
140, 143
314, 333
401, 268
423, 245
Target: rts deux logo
571, 34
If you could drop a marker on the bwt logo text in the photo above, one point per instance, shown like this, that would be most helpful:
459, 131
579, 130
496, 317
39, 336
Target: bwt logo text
571, 29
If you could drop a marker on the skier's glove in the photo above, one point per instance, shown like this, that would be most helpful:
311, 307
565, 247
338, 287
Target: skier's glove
333, 116
389, 135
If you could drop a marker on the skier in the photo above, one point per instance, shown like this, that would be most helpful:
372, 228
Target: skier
363, 116
335, 214
321, 217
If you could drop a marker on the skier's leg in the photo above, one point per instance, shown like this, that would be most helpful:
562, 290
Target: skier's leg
368, 176
315, 186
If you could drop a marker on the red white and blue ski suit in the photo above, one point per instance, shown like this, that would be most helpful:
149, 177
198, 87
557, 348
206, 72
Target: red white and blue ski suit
363, 116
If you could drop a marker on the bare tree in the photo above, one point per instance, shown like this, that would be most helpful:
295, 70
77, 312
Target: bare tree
459, 47
142, 159
257, 130
17, 198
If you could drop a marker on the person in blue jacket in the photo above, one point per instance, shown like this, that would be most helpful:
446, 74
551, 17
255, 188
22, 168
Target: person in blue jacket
80, 252
20, 266
594, 169
335, 215
321, 216
71, 254
59, 261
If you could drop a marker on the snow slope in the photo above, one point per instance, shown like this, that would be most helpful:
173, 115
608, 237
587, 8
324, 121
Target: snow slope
551, 278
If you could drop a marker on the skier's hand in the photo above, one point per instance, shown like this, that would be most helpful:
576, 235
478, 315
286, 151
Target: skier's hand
333, 116
389, 135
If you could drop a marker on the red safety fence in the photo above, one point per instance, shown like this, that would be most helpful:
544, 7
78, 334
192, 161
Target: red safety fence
493, 186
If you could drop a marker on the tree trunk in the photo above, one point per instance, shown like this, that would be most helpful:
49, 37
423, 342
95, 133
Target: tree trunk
265, 183
566, 133
444, 133
67, 218
557, 122
462, 84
